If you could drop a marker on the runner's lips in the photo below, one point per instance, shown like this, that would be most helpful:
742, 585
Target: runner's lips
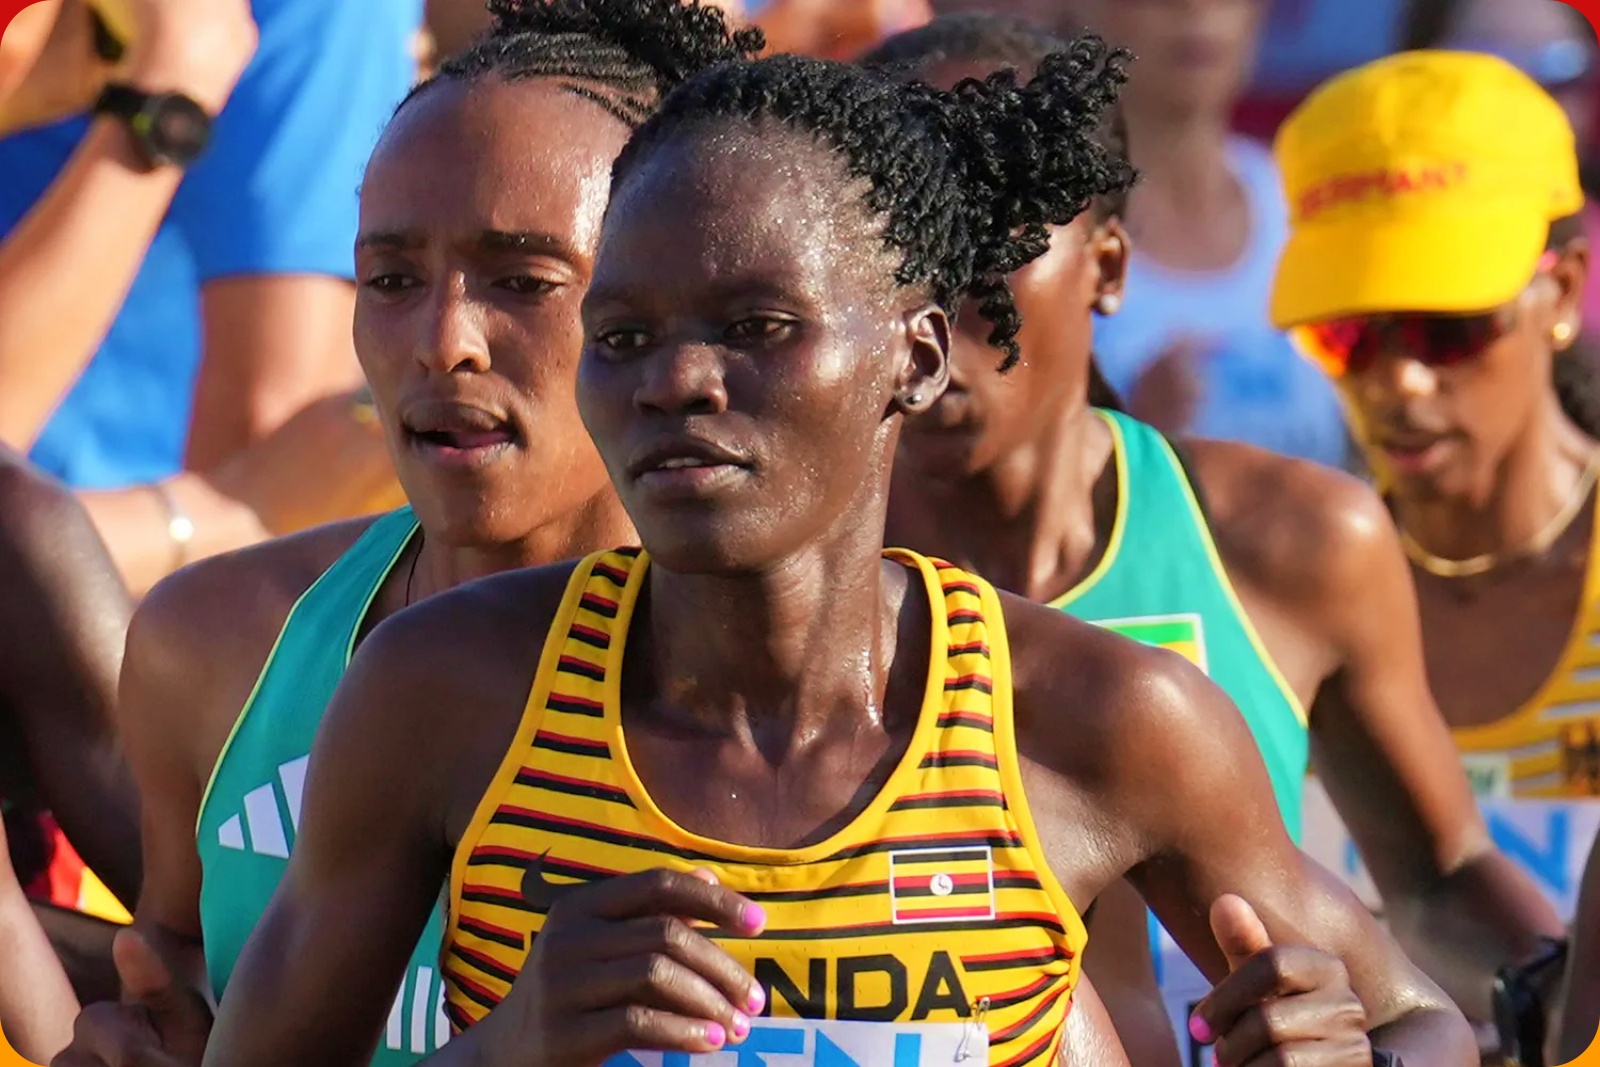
684, 453
458, 426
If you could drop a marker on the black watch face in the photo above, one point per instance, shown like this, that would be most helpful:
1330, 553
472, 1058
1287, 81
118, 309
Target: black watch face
177, 128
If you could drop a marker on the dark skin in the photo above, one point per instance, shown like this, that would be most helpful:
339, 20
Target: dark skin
65, 612
1581, 1019
478, 232
1013, 478
1478, 458
776, 671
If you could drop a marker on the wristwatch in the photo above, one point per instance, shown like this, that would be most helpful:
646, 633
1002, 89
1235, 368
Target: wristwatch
169, 129
1522, 995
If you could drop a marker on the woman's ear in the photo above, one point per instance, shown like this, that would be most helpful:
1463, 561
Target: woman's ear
925, 371
1571, 275
1111, 248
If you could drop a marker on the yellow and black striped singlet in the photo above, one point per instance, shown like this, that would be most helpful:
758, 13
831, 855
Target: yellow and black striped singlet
931, 922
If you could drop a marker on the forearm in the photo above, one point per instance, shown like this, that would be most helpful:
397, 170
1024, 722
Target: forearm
104, 209
1471, 922
1428, 1037
135, 524
37, 1005
1581, 1015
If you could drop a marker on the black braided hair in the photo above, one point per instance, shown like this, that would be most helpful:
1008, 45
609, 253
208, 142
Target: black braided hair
994, 40
987, 39
1576, 373
965, 181
624, 55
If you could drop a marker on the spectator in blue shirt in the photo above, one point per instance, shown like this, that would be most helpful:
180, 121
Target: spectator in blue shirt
239, 317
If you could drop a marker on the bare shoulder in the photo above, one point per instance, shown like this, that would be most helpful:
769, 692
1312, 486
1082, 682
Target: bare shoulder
233, 605
1117, 730
200, 638
1086, 698
443, 685
1292, 529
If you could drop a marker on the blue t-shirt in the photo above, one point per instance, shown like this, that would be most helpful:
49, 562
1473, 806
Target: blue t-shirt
274, 193
1256, 387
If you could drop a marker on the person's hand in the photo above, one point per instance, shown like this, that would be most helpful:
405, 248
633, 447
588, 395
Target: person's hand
196, 47
48, 66
1278, 1004
158, 1024
620, 966
1169, 391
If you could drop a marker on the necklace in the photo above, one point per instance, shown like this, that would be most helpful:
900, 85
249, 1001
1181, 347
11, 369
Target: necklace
1467, 568
411, 575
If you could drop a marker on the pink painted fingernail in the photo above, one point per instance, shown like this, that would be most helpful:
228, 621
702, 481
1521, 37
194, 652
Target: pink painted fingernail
757, 1001
754, 918
1199, 1030
741, 1026
716, 1036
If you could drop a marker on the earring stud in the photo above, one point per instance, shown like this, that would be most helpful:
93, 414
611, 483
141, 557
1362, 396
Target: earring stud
1109, 304
1562, 333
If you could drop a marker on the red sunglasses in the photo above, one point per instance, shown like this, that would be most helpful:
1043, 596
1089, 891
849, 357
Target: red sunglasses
1351, 346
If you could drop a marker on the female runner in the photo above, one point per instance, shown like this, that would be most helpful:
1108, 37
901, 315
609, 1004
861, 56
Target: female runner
769, 787
1281, 578
480, 215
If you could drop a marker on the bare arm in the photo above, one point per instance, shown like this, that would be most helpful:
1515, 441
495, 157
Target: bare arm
36, 1001
273, 344
105, 207
372, 849
1203, 854
1580, 1023
1174, 794
1120, 962
65, 613
1460, 907
322, 465
1331, 564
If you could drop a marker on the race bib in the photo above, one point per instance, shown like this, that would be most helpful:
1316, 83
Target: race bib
827, 1043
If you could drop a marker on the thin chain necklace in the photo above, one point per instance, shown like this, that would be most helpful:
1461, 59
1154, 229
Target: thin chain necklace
1467, 568
411, 575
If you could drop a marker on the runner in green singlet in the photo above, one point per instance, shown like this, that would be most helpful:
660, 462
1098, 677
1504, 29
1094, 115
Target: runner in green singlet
1281, 579
479, 217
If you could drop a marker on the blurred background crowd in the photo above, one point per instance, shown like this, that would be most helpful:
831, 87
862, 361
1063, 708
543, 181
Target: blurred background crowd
175, 354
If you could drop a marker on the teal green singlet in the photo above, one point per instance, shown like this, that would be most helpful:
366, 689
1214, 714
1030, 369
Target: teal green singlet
251, 809
1162, 582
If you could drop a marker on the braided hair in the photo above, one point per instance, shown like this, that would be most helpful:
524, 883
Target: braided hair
965, 182
624, 55
994, 40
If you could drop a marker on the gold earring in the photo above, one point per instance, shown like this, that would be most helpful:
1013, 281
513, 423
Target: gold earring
1562, 333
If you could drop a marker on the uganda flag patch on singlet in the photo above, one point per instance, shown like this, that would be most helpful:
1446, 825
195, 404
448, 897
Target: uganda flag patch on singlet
936, 885
1184, 634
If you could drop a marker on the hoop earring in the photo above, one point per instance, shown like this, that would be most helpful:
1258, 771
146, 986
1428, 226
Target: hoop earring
1108, 304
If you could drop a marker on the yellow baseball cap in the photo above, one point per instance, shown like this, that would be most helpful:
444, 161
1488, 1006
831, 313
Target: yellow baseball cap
1426, 181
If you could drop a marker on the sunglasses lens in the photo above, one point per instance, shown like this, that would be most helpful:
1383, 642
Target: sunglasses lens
1331, 344
1447, 340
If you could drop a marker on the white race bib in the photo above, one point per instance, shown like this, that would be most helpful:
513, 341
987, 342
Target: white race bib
826, 1043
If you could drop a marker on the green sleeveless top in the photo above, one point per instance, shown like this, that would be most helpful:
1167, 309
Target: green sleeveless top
1162, 582
251, 807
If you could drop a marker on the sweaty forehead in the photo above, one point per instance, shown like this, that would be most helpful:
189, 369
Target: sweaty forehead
525, 156
734, 204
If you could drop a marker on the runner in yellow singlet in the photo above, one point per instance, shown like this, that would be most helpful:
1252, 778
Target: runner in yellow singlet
1436, 270
884, 789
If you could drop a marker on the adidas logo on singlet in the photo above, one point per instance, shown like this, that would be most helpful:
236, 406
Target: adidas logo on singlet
264, 817
266, 827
